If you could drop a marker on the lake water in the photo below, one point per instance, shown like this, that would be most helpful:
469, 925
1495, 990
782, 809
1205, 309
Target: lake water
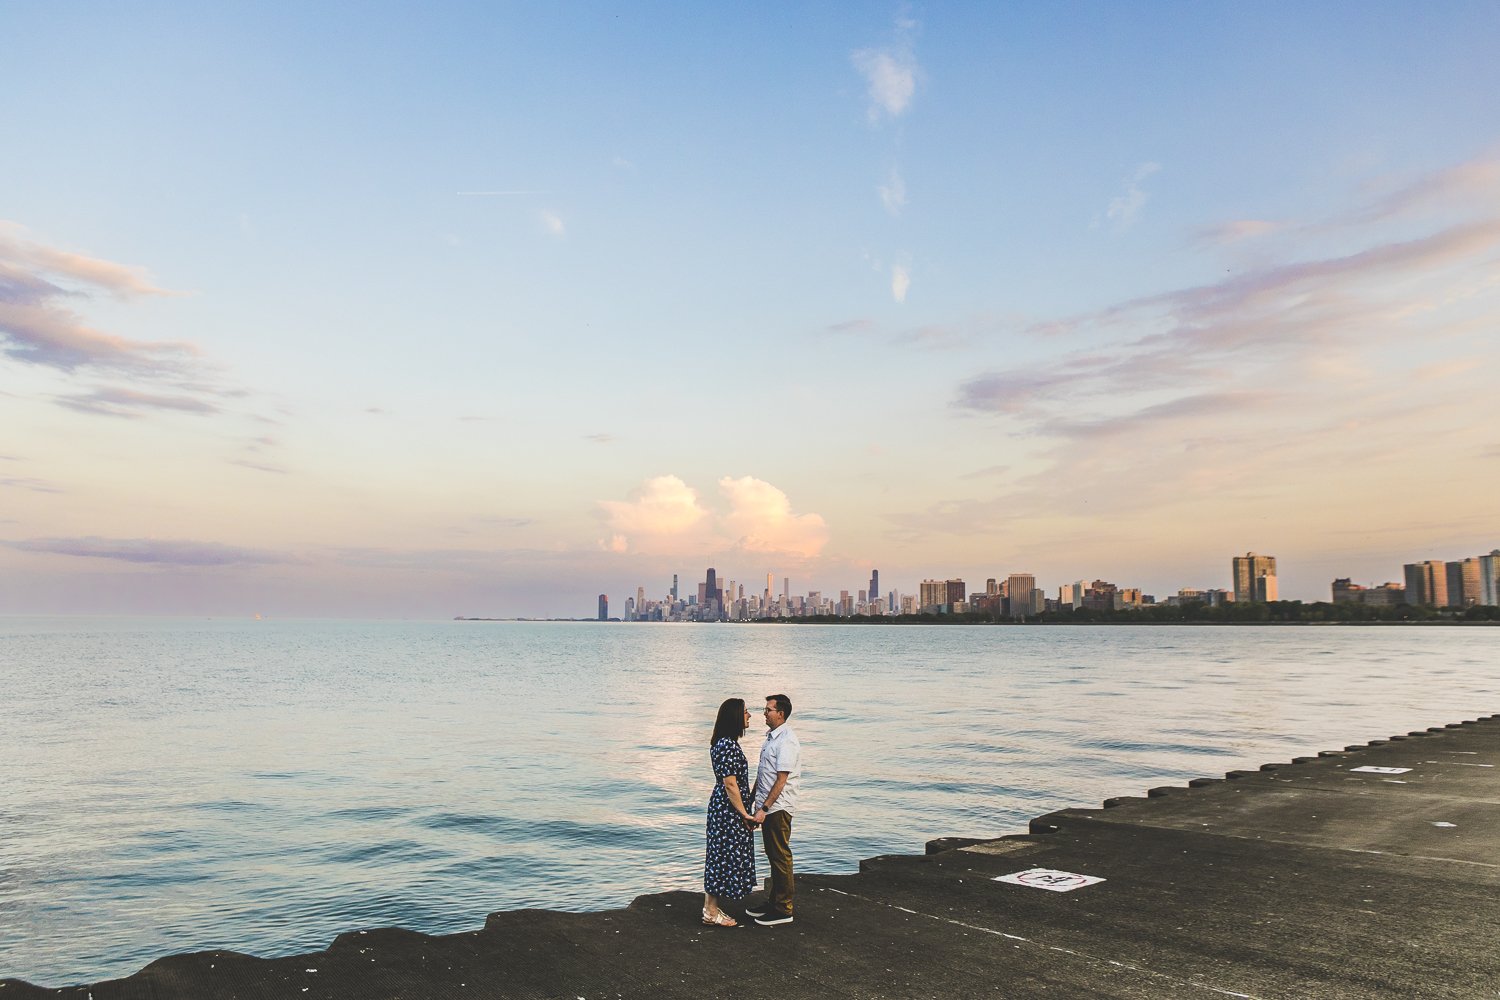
171, 785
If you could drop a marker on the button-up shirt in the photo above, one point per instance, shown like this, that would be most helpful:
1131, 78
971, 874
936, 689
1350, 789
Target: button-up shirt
781, 752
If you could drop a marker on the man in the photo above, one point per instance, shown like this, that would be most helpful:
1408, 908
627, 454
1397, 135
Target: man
775, 801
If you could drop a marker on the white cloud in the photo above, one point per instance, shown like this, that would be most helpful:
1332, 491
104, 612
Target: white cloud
900, 282
664, 515
893, 193
891, 80
1126, 208
553, 224
664, 505
761, 519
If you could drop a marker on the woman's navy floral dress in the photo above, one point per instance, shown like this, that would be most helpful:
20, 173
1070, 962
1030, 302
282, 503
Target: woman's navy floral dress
729, 867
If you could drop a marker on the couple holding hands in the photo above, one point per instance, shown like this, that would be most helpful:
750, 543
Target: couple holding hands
737, 807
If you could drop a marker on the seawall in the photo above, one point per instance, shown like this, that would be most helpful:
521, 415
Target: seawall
1371, 871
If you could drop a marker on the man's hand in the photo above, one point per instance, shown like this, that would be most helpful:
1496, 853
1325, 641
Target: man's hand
760, 817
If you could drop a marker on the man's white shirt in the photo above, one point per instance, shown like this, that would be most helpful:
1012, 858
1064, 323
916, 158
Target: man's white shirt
781, 752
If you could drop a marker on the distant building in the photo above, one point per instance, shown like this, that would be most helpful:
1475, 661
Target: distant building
874, 584
1101, 596
1019, 586
674, 588
956, 592
1489, 579
932, 594
1386, 595
1464, 583
604, 607
1254, 578
1427, 583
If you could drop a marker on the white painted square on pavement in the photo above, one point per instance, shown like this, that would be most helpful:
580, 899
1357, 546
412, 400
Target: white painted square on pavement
1049, 879
1381, 770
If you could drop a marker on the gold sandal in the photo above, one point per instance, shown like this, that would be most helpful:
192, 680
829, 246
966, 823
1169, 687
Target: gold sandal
720, 919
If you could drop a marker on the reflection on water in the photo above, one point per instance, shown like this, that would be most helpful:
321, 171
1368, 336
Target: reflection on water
175, 785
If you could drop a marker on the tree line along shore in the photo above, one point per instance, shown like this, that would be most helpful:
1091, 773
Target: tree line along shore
1191, 613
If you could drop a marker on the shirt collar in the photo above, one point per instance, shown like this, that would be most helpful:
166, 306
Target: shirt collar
772, 734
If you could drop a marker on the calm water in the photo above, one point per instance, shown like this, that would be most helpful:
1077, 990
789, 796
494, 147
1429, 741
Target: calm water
174, 785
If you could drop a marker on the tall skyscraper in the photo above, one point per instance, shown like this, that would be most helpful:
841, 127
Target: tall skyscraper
1019, 586
640, 599
1254, 578
874, 584
1489, 579
674, 588
1465, 583
713, 597
1427, 583
956, 591
786, 590
770, 587
604, 607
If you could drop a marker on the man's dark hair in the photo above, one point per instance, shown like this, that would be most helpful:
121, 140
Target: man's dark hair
731, 720
783, 704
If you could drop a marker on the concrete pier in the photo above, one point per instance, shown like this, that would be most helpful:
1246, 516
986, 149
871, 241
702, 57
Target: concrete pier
1372, 871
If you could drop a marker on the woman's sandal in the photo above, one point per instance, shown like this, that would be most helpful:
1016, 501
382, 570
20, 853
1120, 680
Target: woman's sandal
720, 919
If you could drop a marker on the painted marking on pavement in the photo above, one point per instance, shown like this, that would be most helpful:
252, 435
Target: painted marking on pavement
1049, 879
1380, 770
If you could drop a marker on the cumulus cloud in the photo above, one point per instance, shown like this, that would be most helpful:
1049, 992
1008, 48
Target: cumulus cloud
664, 505
152, 551
666, 515
900, 282
760, 519
39, 283
553, 224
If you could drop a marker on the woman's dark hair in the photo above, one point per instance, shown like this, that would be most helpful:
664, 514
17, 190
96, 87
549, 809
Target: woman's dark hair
731, 720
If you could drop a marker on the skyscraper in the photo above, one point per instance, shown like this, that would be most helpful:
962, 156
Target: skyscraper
713, 597
674, 588
1427, 583
1489, 578
874, 584
1019, 586
604, 607
1254, 578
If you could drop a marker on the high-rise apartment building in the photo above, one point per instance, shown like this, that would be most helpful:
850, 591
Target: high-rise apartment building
1019, 586
1427, 583
956, 592
1464, 583
1489, 579
932, 594
1254, 578
604, 607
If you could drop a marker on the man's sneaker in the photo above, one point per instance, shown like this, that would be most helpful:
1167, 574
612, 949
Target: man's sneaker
758, 911
772, 918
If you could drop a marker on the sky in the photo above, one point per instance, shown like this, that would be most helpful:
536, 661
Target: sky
401, 310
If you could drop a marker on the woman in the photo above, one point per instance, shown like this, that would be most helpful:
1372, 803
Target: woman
729, 866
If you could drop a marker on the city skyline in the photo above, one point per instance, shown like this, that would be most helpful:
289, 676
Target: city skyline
576, 300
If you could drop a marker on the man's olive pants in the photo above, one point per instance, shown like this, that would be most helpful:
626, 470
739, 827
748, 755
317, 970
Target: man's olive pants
776, 834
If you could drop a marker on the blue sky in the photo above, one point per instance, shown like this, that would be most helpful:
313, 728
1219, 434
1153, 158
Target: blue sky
383, 309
